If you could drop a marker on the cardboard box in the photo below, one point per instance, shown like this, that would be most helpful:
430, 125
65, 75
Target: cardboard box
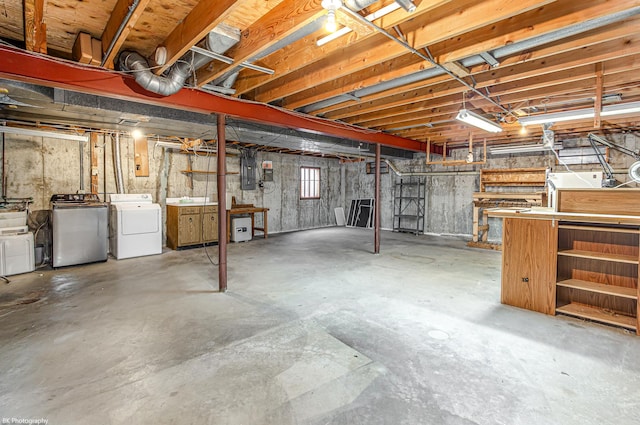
82, 50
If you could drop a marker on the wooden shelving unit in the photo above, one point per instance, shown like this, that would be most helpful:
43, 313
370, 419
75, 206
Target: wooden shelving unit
597, 273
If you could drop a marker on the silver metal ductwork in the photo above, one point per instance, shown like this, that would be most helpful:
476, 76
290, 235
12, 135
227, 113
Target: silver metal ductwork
221, 39
132, 61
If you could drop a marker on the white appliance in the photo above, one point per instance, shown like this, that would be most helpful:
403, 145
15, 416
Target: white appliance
572, 180
241, 229
135, 226
16, 254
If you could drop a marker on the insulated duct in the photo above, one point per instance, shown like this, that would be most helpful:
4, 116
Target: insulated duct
219, 40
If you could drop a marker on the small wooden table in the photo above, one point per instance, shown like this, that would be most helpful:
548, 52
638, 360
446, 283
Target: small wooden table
251, 211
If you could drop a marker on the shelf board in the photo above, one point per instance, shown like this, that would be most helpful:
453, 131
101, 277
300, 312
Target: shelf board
598, 315
407, 230
618, 291
618, 258
599, 228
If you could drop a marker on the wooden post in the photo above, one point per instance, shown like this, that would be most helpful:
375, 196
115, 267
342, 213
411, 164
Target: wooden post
141, 156
476, 216
598, 103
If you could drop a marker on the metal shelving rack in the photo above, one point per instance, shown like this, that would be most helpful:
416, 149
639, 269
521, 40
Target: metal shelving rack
409, 205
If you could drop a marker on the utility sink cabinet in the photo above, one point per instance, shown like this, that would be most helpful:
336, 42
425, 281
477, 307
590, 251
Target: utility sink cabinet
189, 225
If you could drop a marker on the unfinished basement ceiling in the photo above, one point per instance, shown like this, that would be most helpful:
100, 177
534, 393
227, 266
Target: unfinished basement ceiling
510, 58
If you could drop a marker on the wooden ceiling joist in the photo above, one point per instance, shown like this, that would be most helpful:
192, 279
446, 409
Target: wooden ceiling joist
305, 52
528, 25
123, 18
35, 28
378, 49
283, 20
203, 18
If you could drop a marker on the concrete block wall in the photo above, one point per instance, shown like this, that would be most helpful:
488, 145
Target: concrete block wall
38, 167
449, 189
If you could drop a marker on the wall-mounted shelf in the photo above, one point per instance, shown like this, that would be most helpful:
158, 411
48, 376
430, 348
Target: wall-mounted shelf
206, 172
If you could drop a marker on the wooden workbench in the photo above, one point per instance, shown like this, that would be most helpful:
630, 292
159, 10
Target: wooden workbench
529, 178
250, 210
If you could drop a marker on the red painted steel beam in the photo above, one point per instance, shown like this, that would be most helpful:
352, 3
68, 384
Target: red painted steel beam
23, 66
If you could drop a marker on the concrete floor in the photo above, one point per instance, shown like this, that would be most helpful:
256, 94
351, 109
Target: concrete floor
313, 330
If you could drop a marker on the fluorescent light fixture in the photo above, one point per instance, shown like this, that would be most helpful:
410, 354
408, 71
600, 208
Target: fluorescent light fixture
548, 143
476, 120
41, 133
578, 114
407, 5
371, 17
508, 149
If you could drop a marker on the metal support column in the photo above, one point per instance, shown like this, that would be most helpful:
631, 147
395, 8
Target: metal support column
376, 208
222, 205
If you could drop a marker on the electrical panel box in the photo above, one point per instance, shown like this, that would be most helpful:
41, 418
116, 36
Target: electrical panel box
241, 229
248, 169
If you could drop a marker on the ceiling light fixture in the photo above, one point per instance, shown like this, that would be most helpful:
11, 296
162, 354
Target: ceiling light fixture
506, 149
578, 114
476, 120
40, 133
407, 5
371, 17
331, 5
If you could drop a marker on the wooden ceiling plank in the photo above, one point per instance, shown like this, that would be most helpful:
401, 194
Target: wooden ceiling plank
305, 52
460, 50
35, 29
203, 18
110, 36
365, 54
281, 21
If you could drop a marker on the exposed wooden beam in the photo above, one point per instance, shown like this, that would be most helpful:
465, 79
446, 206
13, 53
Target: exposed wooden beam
378, 49
626, 46
123, 18
203, 18
280, 22
533, 23
35, 29
305, 52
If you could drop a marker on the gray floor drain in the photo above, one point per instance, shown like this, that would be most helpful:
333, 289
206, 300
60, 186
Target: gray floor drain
436, 334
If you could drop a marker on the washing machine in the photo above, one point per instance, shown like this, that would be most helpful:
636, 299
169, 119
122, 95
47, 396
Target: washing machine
79, 227
135, 226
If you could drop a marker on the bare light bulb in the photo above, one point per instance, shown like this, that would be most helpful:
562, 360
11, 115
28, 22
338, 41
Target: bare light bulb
523, 130
136, 134
331, 24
